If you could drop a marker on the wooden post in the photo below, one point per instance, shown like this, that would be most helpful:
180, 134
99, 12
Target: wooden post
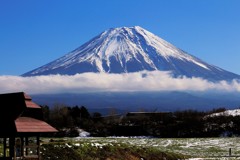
38, 146
26, 144
12, 146
22, 144
4, 147
230, 151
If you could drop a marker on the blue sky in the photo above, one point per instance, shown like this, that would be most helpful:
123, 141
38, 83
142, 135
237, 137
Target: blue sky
33, 33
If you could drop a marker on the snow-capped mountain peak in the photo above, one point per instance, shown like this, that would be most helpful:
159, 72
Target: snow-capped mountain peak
130, 49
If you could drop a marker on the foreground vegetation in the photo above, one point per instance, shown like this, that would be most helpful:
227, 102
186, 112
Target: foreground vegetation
73, 150
136, 148
123, 148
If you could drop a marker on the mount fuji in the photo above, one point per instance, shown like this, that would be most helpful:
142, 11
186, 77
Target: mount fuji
131, 49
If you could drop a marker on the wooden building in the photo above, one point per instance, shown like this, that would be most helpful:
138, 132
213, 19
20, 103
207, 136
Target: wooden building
21, 125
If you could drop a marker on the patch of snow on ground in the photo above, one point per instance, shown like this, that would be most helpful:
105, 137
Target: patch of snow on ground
83, 133
234, 112
196, 148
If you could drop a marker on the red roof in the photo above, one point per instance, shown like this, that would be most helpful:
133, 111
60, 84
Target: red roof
31, 104
27, 96
27, 124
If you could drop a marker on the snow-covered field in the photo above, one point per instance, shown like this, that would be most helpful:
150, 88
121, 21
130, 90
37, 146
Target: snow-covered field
197, 148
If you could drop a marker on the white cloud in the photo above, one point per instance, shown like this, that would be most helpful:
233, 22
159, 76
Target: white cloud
140, 81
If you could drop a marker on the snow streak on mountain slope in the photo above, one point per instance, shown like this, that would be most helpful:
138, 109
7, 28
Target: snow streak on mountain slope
131, 49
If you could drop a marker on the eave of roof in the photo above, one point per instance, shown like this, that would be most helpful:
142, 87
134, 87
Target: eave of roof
31, 104
27, 96
31, 125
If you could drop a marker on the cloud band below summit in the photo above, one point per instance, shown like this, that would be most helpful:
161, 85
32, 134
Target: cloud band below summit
87, 82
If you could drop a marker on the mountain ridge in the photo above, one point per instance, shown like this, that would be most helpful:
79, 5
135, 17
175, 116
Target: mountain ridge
131, 49
149, 101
